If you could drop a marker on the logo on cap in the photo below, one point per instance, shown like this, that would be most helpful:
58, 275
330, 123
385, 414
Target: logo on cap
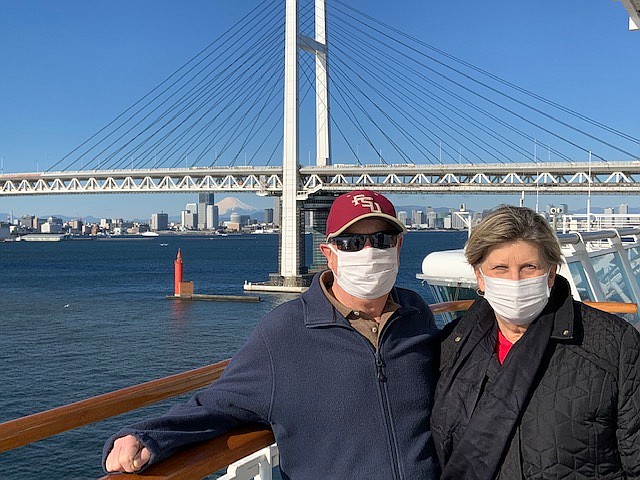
365, 202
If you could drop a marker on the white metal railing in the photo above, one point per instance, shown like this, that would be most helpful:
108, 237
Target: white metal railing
598, 221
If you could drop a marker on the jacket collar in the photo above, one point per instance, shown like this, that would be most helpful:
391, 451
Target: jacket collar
316, 308
318, 311
561, 303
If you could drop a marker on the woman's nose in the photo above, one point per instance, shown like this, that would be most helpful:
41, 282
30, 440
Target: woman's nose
514, 274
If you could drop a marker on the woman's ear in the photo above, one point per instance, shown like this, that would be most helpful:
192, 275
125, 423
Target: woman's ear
552, 275
479, 278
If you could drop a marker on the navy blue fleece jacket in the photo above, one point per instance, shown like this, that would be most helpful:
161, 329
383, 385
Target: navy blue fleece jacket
337, 408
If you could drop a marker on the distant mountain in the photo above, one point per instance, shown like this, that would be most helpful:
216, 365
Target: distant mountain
89, 219
229, 205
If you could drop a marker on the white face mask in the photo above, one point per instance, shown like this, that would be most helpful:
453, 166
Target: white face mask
368, 273
517, 301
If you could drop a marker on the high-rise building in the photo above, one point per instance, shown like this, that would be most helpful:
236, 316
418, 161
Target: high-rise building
432, 219
159, 221
623, 209
417, 217
235, 218
189, 217
53, 225
402, 216
76, 226
268, 215
277, 211
204, 200
28, 221
213, 219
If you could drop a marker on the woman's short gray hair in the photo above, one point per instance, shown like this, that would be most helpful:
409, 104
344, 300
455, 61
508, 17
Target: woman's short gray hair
508, 224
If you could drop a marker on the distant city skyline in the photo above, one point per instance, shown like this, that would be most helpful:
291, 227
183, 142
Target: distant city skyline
174, 207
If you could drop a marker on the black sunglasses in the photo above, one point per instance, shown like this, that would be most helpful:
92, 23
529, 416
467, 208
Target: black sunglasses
356, 241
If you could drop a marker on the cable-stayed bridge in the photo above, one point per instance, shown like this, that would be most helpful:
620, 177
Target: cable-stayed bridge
371, 107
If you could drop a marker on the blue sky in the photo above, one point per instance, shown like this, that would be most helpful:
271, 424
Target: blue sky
69, 67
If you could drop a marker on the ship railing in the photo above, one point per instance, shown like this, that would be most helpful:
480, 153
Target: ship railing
247, 453
598, 221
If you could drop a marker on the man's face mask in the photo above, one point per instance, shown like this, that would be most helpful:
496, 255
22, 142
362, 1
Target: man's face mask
366, 273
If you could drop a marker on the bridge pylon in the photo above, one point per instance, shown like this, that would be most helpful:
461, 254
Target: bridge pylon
293, 272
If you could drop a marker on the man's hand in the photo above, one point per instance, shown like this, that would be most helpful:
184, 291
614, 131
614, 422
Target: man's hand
127, 455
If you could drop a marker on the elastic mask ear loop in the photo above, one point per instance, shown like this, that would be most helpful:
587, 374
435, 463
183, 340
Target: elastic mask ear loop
479, 292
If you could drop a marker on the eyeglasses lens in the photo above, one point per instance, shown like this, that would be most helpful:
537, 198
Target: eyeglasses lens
357, 241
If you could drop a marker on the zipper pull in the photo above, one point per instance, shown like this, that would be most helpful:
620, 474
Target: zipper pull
379, 366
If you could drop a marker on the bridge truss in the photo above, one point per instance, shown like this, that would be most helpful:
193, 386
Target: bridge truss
549, 178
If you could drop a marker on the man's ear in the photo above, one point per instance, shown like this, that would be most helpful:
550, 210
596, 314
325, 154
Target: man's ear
329, 255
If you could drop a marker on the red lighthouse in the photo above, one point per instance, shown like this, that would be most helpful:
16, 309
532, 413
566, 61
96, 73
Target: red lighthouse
177, 275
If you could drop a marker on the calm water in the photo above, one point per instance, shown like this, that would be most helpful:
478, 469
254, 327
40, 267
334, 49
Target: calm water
82, 318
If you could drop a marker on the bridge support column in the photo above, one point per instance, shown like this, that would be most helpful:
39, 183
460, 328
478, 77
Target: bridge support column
293, 272
290, 244
318, 207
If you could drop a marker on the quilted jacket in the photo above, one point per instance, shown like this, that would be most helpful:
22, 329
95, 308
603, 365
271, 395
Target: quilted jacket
564, 405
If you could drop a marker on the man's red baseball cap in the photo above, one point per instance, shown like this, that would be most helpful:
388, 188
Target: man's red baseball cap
350, 207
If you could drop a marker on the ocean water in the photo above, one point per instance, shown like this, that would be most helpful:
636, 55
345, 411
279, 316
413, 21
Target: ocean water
81, 318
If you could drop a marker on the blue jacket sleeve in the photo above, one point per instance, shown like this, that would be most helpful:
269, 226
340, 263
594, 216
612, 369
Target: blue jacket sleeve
241, 395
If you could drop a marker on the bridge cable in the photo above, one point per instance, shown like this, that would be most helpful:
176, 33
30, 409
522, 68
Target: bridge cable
523, 118
497, 78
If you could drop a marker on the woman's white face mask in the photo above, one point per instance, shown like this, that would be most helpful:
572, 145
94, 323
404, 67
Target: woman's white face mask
518, 302
368, 273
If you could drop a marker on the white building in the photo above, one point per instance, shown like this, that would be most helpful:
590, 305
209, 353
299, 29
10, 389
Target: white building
212, 217
189, 217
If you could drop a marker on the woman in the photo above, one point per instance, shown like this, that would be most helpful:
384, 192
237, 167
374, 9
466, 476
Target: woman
534, 385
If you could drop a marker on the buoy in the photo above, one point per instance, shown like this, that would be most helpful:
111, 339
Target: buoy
177, 274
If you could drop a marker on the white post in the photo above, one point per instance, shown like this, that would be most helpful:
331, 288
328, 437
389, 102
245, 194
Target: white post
537, 192
589, 196
323, 133
289, 231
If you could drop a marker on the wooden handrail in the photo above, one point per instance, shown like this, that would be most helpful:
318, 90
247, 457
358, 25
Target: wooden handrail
614, 307
205, 458
462, 305
29, 429
453, 306
197, 461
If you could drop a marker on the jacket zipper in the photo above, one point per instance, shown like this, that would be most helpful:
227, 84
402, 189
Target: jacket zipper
387, 414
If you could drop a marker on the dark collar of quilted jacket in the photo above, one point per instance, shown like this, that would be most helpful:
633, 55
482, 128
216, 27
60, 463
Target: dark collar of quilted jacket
480, 315
561, 303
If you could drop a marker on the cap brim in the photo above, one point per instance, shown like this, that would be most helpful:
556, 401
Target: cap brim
383, 216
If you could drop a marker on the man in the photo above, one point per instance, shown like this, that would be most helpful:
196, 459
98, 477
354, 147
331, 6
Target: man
344, 374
